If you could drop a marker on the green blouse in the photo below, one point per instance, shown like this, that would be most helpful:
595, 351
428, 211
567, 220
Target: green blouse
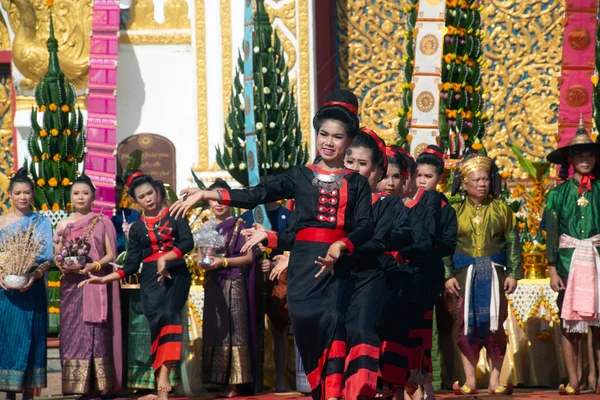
564, 215
485, 230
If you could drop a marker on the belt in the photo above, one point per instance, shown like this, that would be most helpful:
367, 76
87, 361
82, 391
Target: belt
321, 235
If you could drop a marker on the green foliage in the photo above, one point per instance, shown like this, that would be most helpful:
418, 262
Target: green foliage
279, 137
134, 161
56, 141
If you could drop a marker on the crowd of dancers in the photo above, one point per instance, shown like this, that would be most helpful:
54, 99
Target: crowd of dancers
367, 253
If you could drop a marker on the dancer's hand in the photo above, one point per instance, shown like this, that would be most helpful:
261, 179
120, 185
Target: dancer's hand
89, 267
184, 204
510, 285
452, 286
556, 282
281, 264
253, 237
161, 269
188, 192
94, 280
2, 282
333, 254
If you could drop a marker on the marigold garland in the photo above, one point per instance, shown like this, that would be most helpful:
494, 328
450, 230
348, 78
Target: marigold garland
405, 111
461, 103
55, 153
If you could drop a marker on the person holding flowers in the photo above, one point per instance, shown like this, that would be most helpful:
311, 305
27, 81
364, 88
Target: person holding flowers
159, 242
572, 240
90, 320
485, 267
24, 312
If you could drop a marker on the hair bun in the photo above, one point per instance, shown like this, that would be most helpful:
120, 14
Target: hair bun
21, 173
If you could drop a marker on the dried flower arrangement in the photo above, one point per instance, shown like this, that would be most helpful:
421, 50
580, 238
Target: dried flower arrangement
19, 250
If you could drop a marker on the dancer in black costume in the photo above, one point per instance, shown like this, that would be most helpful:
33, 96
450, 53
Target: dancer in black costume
333, 216
159, 241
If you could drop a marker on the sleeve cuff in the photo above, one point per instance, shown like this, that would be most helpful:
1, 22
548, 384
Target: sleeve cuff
272, 239
348, 244
121, 273
178, 252
226, 197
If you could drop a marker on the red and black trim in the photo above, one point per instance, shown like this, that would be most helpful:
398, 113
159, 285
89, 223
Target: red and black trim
161, 237
326, 380
417, 198
167, 346
395, 362
272, 239
226, 197
361, 371
427, 340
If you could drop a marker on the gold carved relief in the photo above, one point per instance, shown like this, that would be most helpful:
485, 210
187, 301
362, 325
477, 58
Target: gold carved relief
523, 49
142, 16
7, 155
371, 48
201, 86
72, 25
4, 35
227, 66
142, 20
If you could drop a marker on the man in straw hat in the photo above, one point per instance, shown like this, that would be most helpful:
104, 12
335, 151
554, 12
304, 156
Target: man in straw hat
573, 236
485, 266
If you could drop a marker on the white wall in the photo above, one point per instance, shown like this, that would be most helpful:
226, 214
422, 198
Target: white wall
156, 94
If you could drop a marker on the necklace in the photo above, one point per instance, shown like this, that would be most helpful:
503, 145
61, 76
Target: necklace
328, 182
155, 226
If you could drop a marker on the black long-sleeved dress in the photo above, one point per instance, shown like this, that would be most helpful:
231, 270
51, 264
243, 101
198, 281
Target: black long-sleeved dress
322, 216
366, 295
430, 270
149, 239
408, 288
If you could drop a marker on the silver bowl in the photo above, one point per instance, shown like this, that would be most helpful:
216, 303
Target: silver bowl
15, 282
209, 253
74, 263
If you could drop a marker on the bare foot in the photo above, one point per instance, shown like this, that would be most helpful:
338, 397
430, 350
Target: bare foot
150, 396
161, 395
227, 394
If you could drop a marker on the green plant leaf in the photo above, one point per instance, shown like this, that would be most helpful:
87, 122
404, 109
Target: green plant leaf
134, 160
525, 164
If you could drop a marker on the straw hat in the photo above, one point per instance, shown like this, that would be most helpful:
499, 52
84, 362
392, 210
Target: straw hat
581, 140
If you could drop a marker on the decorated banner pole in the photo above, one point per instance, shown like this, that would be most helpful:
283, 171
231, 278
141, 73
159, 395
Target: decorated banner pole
253, 174
251, 155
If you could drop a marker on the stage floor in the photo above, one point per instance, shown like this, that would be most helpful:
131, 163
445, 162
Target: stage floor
53, 393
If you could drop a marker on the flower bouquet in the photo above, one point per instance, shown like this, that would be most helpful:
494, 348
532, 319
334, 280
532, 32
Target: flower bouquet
19, 250
74, 251
209, 241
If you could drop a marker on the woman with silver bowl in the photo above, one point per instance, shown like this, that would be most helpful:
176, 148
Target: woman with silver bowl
24, 311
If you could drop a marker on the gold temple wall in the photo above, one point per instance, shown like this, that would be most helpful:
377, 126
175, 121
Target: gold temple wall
524, 54
523, 49
370, 51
